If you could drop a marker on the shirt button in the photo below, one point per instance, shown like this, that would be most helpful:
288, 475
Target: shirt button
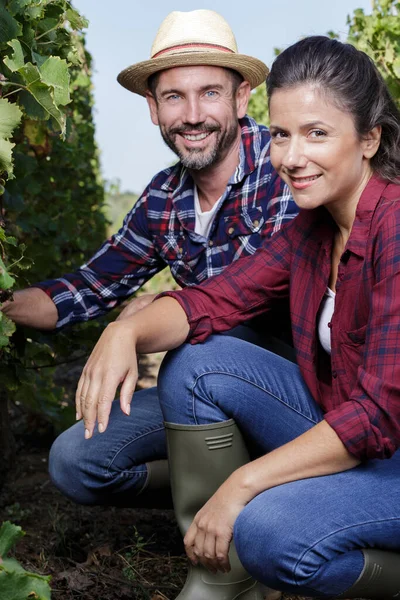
211, 243
256, 223
330, 324
231, 230
334, 374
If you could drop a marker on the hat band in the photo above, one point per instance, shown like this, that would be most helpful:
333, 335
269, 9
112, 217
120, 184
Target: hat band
192, 46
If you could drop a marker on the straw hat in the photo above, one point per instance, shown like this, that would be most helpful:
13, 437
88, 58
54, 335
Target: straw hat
199, 37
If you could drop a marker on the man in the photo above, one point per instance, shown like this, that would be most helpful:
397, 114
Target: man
213, 207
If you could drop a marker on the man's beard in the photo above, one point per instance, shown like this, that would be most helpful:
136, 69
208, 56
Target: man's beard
199, 158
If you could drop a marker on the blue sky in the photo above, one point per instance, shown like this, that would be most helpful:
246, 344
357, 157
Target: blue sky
121, 33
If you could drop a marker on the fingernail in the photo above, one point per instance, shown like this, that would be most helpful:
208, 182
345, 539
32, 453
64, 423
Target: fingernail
78, 416
128, 409
101, 427
87, 434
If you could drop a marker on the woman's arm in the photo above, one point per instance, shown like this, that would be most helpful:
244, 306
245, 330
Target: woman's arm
160, 326
317, 452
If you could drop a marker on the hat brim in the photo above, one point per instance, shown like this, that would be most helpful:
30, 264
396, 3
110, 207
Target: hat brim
134, 78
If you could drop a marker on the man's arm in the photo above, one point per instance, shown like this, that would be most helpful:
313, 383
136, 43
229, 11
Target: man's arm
119, 268
31, 307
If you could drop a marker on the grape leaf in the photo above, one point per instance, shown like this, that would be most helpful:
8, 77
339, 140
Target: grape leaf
54, 73
6, 157
6, 281
9, 27
16, 61
10, 116
42, 93
9, 536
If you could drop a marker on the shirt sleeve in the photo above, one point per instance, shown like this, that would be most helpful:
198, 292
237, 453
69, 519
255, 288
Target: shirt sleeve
369, 422
119, 268
245, 289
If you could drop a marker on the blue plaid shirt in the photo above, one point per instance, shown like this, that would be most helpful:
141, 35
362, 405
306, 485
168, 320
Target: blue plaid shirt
159, 232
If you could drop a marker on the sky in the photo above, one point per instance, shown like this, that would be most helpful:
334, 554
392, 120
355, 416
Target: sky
121, 32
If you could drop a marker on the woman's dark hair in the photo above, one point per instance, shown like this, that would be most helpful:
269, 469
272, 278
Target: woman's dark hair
354, 83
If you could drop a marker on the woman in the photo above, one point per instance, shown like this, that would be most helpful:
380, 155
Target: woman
317, 512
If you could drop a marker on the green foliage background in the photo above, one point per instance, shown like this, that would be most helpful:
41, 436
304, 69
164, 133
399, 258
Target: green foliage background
51, 195
51, 209
377, 34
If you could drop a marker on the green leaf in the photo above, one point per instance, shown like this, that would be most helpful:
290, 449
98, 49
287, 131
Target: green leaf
10, 117
54, 72
9, 536
16, 61
42, 93
6, 281
76, 20
17, 584
6, 163
396, 66
32, 109
19, 7
38, 59
7, 327
9, 27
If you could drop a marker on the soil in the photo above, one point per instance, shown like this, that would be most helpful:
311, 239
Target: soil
92, 553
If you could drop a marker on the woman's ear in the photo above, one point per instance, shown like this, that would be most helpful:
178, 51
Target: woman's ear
371, 141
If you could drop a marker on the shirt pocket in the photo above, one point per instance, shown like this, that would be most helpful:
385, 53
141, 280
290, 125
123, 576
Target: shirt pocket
351, 350
244, 224
354, 337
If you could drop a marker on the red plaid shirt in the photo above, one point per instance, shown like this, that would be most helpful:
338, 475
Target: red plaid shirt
358, 386
159, 232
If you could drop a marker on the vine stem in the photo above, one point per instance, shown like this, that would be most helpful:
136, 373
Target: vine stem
14, 92
48, 31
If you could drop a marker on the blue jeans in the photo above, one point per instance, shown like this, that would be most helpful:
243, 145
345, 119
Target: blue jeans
303, 537
110, 468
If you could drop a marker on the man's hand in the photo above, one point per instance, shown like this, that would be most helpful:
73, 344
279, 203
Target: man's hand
135, 305
113, 361
31, 307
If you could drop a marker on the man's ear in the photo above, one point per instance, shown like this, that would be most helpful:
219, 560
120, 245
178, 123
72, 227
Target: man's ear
152, 102
371, 141
242, 98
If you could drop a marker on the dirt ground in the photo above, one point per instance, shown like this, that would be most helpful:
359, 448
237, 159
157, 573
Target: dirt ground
92, 553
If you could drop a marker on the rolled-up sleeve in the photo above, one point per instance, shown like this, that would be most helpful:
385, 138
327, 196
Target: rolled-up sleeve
247, 288
120, 267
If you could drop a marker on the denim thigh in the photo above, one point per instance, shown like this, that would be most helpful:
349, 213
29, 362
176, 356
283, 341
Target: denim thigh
230, 378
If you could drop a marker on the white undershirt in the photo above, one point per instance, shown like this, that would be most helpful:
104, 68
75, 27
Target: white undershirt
203, 219
324, 332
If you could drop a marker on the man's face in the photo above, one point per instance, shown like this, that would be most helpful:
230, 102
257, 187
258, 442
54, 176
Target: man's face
197, 110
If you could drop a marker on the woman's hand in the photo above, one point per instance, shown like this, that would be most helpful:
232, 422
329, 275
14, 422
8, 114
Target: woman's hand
113, 361
209, 536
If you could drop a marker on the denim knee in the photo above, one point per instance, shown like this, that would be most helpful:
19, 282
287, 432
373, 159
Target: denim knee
285, 551
65, 468
259, 537
175, 381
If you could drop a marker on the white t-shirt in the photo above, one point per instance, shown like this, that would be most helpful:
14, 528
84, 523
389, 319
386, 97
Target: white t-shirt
203, 219
324, 332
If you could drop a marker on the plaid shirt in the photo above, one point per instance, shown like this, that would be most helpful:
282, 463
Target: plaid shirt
358, 386
159, 232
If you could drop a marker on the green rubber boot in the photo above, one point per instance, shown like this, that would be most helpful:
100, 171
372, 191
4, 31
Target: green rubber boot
201, 458
380, 577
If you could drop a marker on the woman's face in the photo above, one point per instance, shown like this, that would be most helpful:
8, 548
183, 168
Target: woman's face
316, 149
